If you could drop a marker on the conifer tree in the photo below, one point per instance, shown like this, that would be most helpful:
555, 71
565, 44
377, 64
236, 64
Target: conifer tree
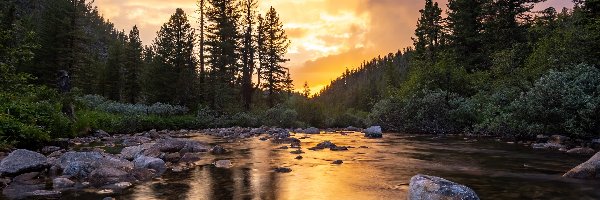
248, 51
133, 66
465, 22
273, 45
429, 31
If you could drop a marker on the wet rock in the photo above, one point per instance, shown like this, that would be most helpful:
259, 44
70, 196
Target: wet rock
299, 157
218, 149
548, 145
4, 182
20, 161
312, 130
337, 162
130, 153
43, 194
558, 139
180, 145
62, 183
79, 169
363, 147
50, 149
323, 145
136, 140
101, 134
79, 164
29, 178
23, 186
297, 152
542, 139
339, 148
118, 186
283, 170
581, 151
351, 128
107, 175
373, 132
423, 187
190, 158
263, 139
55, 154
172, 157
587, 170
150, 163
283, 147
288, 140
223, 164
115, 162
143, 174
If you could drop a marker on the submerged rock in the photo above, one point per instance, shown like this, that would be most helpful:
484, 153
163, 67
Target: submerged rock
581, 151
22, 160
283, 170
146, 162
337, 162
373, 132
423, 187
587, 170
312, 130
223, 164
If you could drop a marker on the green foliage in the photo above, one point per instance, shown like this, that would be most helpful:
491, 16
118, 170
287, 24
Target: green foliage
100, 103
280, 116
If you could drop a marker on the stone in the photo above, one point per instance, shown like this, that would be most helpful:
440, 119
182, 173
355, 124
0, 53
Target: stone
172, 157
558, 139
115, 162
223, 164
587, 170
297, 152
22, 160
107, 175
190, 158
43, 194
108, 198
118, 186
337, 162
136, 140
84, 157
142, 174
150, 163
283, 170
180, 145
581, 151
131, 152
373, 132
299, 157
101, 134
283, 147
79, 169
548, 145
62, 183
218, 149
312, 130
50, 149
423, 187
351, 128
339, 148
323, 145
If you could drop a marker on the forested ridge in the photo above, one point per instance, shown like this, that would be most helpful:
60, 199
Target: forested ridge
490, 67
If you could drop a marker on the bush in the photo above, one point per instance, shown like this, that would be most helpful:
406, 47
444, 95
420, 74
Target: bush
436, 112
100, 103
281, 117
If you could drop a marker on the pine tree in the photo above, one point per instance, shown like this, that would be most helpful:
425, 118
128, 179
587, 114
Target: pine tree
174, 64
306, 90
465, 22
273, 45
202, 57
428, 32
503, 26
113, 71
133, 67
248, 51
222, 45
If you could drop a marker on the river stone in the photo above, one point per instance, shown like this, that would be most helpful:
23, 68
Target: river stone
85, 157
130, 153
22, 160
337, 162
223, 164
62, 183
107, 175
312, 130
558, 139
587, 170
323, 145
146, 162
190, 158
283, 170
218, 149
43, 194
423, 187
373, 132
50, 149
581, 151
101, 134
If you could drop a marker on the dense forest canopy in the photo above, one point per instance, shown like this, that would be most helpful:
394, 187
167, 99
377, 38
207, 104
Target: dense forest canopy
491, 67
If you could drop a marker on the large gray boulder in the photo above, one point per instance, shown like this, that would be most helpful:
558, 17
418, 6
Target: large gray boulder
172, 145
423, 187
373, 132
20, 161
312, 130
145, 162
107, 175
130, 153
78, 164
587, 170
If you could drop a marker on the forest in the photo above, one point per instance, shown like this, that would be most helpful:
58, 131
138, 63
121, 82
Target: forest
485, 67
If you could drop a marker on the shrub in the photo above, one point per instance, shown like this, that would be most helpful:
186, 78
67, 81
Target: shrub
281, 117
100, 103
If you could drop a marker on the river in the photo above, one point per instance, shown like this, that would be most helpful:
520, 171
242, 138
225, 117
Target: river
495, 170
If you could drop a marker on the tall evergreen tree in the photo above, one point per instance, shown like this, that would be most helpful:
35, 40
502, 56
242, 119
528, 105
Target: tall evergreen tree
429, 31
174, 69
273, 47
465, 22
133, 67
222, 45
248, 51
503, 25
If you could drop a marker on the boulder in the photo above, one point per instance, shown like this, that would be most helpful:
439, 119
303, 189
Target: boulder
337, 162
136, 140
107, 175
218, 149
101, 134
423, 187
85, 157
22, 160
143, 174
351, 128
180, 145
323, 145
223, 164
283, 170
50, 149
581, 151
43, 194
62, 183
548, 145
130, 153
312, 130
172, 157
373, 132
146, 162
587, 170
558, 139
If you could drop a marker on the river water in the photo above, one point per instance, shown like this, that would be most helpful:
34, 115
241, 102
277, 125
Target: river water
493, 169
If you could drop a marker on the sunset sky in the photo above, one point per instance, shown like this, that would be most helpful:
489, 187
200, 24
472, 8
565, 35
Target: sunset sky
327, 36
